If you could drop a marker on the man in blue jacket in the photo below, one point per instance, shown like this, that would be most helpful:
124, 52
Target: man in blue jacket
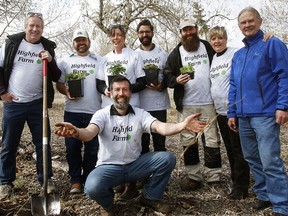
258, 96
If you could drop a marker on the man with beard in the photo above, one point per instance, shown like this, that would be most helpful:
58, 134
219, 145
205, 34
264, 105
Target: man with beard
193, 95
154, 98
119, 128
79, 110
151, 54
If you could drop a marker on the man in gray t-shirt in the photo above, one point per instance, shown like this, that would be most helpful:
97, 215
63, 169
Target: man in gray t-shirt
119, 128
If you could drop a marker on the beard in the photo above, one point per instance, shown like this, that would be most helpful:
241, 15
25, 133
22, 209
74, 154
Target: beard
146, 42
191, 45
123, 105
82, 50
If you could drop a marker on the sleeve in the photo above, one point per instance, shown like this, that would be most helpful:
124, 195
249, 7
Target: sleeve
140, 83
170, 74
3, 87
231, 113
278, 55
61, 66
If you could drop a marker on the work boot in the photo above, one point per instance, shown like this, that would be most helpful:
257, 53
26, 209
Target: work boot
130, 192
190, 185
5, 191
106, 212
258, 205
157, 205
238, 194
76, 188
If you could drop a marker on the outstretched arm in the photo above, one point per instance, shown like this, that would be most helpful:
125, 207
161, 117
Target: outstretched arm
66, 129
190, 124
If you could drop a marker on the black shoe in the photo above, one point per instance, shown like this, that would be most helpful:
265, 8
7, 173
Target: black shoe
277, 214
238, 195
258, 205
130, 192
119, 189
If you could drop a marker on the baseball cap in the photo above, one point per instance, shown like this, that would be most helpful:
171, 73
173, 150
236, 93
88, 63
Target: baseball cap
187, 22
80, 33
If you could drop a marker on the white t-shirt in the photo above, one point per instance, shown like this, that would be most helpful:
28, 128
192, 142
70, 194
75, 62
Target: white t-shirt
133, 63
120, 136
91, 102
152, 100
26, 79
220, 79
197, 90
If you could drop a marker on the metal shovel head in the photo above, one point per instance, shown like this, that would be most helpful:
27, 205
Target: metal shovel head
49, 205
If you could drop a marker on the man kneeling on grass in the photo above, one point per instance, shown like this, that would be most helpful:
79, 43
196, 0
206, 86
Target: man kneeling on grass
119, 128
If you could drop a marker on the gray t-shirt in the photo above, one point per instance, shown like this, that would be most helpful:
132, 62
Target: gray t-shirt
120, 136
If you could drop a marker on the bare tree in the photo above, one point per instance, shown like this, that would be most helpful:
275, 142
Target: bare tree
10, 11
164, 14
275, 19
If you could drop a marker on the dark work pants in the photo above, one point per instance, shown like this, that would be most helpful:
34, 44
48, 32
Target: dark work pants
240, 172
158, 140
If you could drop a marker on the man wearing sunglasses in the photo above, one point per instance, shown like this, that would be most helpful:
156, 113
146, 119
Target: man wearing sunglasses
21, 91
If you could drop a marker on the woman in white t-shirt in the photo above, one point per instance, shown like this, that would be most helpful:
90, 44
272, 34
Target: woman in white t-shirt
220, 78
129, 59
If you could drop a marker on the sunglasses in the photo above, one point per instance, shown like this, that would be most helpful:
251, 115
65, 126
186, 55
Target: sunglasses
32, 14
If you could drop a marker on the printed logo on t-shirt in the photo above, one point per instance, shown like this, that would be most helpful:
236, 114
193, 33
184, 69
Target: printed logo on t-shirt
196, 59
28, 57
220, 70
155, 61
121, 133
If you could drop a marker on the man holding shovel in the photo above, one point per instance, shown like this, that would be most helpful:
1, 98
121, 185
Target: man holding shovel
21, 91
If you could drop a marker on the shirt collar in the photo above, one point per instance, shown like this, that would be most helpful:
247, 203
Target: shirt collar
113, 110
153, 46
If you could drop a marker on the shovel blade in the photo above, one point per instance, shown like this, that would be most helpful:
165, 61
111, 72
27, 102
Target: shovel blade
49, 205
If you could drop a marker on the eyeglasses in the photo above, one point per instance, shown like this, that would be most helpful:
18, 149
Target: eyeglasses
32, 14
144, 32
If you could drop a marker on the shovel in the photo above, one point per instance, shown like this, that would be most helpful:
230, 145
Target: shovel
47, 204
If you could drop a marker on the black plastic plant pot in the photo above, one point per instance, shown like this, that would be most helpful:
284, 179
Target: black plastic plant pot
152, 76
76, 88
110, 78
191, 74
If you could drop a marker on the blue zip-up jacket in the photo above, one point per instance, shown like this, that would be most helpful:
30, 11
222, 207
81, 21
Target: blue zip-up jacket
259, 78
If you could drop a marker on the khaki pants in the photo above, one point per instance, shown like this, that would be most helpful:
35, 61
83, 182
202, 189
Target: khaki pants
212, 165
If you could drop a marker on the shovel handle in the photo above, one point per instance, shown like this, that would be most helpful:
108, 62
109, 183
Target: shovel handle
44, 67
45, 127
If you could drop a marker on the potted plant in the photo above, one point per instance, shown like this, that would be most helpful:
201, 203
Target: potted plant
152, 73
75, 81
188, 70
115, 70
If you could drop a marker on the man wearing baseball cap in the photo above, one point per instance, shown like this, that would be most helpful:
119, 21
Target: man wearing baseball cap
192, 94
79, 110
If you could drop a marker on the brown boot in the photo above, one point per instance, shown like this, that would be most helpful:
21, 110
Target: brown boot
189, 185
130, 192
158, 206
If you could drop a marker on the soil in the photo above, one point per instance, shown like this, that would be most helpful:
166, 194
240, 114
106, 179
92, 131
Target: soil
205, 201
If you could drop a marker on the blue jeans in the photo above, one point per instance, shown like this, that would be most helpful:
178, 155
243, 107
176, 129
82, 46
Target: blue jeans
260, 139
156, 166
74, 149
14, 117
